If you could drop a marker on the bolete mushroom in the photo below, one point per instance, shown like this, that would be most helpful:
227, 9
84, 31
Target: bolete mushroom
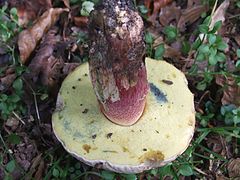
126, 115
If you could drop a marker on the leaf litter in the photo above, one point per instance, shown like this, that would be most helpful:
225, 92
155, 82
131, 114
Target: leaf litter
51, 50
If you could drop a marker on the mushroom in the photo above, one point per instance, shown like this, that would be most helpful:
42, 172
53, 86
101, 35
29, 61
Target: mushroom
121, 111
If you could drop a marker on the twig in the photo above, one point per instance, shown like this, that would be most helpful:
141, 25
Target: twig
15, 114
200, 171
35, 100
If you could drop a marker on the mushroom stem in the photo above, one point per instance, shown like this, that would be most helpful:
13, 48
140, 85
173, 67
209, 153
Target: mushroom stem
117, 60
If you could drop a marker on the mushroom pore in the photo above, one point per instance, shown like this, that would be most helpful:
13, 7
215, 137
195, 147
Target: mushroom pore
117, 60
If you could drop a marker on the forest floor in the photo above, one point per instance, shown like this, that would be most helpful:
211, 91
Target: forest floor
41, 42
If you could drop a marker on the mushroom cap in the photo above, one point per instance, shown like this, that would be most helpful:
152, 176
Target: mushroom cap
162, 133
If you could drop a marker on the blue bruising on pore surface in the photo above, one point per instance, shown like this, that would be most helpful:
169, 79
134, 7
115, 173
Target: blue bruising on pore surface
160, 96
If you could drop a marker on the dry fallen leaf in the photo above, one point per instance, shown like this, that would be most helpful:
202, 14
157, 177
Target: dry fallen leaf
192, 3
29, 10
190, 15
231, 92
29, 38
44, 66
169, 14
157, 5
66, 3
219, 14
234, 168
7, 79
81, 21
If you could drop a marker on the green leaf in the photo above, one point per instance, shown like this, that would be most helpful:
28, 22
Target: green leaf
14, 139
212, 59
238, 64
193, 70
108, 175
159, 52
186, 170
55, 172
221, 57
77, 165
18, 84
196, 44
201, 86
216, 26
148, 38
143, 9
204, 48
185, 47
222, 46
3, 97
14, 98
10, 166
203, 28
238, 4
165, 171
238, 53
87, 7
13, 11
200, 57
170, 32
71, 169
212, 38
207, 20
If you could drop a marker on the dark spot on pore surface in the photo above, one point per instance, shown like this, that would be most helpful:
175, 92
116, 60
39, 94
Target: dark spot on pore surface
144, 149
81, 104
74, 87
79, 79
167, 82
85, 111
157, 131
85, 74
109, 135
160, 96
94, 136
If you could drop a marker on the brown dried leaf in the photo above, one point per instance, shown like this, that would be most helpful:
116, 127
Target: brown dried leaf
29, 10
190, 15
44, 66
237, 39
6, 81
40, 171
157, 5
81, 21
29, 38
66, 3
219, 14
169, 13
231, 93
234, 168
192, 3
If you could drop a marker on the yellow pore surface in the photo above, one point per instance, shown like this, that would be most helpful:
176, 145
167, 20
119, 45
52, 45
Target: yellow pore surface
162, 133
